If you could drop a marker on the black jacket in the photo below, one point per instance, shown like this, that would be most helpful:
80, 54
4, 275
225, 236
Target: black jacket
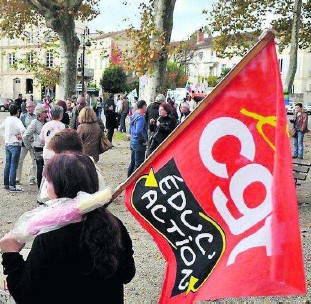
57, 270
167, 125
152, 112
111, 119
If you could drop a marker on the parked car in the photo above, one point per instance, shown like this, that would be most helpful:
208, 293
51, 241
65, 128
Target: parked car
290, 108
307, 107
5, 104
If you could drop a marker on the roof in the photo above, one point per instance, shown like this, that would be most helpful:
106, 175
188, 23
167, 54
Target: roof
109, 34
205, 44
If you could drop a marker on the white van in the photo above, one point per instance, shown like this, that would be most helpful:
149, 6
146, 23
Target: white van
290, 108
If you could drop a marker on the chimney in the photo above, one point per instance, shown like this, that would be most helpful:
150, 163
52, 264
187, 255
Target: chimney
200, 36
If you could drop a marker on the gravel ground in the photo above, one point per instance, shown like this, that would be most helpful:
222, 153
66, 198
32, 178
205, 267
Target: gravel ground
147, 284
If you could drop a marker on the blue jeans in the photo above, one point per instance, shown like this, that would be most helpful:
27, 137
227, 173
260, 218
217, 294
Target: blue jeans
99, 112
12, 154
138, 152
298, 144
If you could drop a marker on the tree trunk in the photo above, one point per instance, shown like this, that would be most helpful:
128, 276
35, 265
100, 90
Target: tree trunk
163, 14
293, 46
69, 45
64, 25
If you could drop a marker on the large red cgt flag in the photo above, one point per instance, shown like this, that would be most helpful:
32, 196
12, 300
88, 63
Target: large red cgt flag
218, 196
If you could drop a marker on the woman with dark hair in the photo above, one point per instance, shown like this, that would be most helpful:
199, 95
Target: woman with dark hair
82, 262
165, 124
66, 140
66, 119
174, 108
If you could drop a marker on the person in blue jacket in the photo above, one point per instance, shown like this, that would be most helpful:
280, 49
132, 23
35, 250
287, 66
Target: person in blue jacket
139, 137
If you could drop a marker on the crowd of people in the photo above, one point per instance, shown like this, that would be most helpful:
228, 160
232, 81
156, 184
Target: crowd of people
151, 125
29, 131
92, 256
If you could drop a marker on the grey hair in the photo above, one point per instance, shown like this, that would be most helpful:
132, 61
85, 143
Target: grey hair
39, 109
160, 98
30, 102
56, 112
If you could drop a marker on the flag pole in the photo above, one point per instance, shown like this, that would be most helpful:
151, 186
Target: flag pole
265, 38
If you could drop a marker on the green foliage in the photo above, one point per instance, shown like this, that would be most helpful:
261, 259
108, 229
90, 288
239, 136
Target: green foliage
133, 85
176, 76
212, 81
147, 40
239, 23
224, 72
114, 79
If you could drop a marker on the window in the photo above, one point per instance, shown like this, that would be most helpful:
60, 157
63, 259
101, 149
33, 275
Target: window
30, 57
49, 60
79, 64
29, 37
11, 59
29, 86
212, 55
49, 36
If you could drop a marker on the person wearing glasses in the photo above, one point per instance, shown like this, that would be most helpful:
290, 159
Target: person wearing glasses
26, 119
31, 138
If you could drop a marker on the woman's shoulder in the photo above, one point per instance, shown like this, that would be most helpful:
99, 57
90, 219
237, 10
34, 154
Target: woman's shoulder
62, 233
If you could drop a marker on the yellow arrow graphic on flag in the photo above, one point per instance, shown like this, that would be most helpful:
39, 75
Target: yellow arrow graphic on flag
151, 180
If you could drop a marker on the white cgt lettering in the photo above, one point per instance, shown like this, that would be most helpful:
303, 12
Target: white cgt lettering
238, 183
217, 129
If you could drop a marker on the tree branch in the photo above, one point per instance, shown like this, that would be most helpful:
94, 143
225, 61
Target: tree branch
36, 6
75, 4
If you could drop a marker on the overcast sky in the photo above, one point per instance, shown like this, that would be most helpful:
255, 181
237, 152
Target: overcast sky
188, 16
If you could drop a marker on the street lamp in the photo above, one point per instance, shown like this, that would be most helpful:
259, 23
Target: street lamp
85, 43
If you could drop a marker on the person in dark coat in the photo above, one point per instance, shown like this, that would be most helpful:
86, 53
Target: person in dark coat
66, 119
18, 101
151, 116
109, 102
111, 121
88, 261
165, 124
299, 128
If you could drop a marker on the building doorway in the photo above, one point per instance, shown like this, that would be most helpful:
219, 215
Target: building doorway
16, 87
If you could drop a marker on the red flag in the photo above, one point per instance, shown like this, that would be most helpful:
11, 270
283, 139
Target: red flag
218, 196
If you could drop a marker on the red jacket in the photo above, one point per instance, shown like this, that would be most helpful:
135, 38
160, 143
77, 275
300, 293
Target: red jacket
303, 123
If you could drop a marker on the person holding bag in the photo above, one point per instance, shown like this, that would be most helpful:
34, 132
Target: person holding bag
90, 132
